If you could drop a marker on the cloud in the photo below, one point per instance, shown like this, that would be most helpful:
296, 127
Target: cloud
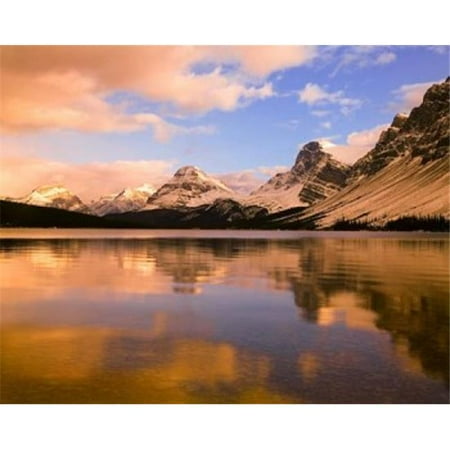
291, 124
313, 94
385, 58
262, 60
439, 49
69, 87
271, 171
358, 144
409, 96
241, 182
246, 181
89, 181
164, 131
94, 179
320, 113
326, 125
356, 56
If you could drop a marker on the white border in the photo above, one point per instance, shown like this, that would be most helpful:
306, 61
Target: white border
226, 427
223, 426
224, 22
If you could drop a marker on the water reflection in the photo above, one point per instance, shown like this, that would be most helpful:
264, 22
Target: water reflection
326, 319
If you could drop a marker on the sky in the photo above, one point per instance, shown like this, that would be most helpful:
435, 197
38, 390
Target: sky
97, 119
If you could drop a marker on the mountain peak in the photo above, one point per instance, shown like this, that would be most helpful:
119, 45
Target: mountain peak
405, 173
129, 199
50, 189
55, 196
145, 188
188, 187
309, 153
314, 176
187, 171
313, 146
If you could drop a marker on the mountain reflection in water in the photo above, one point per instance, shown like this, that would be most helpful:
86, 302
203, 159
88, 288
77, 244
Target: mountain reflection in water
326, 319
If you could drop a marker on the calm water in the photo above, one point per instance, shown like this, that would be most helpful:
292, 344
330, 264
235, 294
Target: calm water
223, 317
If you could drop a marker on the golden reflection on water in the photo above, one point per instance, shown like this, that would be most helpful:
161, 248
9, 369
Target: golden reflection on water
224, 320
71, 361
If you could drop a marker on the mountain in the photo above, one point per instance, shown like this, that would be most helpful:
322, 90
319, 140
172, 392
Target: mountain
402, 182
103, 205
221, 213
315, 176
188, 187
54, 196
130, 199
406, 174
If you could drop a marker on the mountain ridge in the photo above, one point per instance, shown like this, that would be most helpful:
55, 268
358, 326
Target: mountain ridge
405, 174
53, 196
314, 176
188, 187
129, 199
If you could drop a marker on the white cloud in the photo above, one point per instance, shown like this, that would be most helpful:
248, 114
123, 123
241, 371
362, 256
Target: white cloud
291, 124
357, 145
385, 58
356, 56
439, 49
326, 125
320, 113
313, 94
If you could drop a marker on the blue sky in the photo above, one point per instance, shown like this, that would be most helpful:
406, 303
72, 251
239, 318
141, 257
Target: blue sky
229, 112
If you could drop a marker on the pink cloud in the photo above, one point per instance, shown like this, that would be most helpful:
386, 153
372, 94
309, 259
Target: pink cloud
358, 144
262, 60
67, 87
246, 181
410, 95
89, 181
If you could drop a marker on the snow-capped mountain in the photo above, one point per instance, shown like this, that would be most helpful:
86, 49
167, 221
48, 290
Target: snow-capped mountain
189, 187
405, 174
103, 204
315, 176
54, 196
130, 199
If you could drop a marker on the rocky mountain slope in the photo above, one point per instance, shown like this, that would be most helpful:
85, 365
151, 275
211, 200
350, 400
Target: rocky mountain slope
54, 196
130, 199
221, 213
315, 176
405, 174
188, 187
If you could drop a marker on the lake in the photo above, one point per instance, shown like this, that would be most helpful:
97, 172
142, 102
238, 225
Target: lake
194, 316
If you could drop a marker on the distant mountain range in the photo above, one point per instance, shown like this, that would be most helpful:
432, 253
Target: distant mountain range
406, 174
